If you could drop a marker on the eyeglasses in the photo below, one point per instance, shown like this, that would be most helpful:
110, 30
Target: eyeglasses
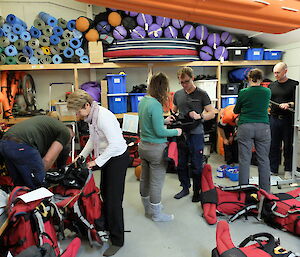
184, 82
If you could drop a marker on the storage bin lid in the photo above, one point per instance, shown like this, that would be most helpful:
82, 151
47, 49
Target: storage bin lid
115, 75
273, 50
237, 48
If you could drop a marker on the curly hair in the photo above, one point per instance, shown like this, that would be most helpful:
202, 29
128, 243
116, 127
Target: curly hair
159, 87
78, 99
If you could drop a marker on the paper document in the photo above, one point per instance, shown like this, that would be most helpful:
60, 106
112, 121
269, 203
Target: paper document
130, 123
34, 195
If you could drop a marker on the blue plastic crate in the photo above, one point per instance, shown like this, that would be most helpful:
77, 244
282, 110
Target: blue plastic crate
228, 100
270, 54
221, 171
254, 54
117, 103
233, 173
116, 83
135, 98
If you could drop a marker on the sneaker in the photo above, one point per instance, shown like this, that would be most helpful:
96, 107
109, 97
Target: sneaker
184, 192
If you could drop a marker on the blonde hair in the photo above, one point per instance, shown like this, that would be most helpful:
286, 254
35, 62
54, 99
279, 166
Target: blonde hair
78, 99
185, 71
159, 87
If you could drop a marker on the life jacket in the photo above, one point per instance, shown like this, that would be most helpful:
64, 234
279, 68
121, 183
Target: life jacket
235, 200
281, 210
228, 116
132, 142
81, 207
32, 224
265, 245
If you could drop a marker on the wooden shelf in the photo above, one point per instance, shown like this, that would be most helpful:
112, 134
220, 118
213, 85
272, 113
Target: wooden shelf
250, 63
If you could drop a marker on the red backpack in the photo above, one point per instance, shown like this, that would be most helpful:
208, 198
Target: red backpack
32, 224
234, 201
81, 209
132, 142
281, 210
265, 245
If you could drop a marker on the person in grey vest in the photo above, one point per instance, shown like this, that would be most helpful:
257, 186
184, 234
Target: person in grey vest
194, 103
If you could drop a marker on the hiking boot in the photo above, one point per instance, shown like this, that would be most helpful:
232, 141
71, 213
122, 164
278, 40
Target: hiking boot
184, 192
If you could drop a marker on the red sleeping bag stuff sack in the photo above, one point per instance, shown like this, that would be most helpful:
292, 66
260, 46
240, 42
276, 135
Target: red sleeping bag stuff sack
265, 245
281, 210
235, 200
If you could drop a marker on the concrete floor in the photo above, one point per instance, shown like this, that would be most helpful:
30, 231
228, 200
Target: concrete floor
188, 235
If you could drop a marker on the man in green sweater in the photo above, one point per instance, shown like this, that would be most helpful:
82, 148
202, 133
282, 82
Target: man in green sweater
31, 147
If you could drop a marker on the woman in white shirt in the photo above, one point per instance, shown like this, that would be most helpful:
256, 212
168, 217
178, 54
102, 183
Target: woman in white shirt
111, 155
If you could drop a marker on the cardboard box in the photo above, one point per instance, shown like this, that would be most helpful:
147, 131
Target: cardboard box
96, 52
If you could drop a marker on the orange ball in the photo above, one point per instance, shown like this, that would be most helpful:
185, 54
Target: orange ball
138, 171
92, 35
82, 24
114, 19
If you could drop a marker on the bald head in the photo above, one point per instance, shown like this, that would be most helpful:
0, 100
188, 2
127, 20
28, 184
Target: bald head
280, 70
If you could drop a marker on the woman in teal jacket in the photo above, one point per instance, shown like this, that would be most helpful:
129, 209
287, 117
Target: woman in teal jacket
153, 143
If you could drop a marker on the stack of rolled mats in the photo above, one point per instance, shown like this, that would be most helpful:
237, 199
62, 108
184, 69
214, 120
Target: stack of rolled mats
49, 40
117, 27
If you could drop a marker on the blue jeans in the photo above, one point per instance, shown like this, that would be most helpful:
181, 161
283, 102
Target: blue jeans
24, 163
193, 152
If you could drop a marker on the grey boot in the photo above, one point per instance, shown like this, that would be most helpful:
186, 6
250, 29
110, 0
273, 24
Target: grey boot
157, 214
147, 207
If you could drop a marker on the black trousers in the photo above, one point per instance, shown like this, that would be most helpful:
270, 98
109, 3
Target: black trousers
281, 131
231, 153
112, 190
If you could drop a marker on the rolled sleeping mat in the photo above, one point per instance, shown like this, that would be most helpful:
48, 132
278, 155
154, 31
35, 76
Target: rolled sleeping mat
83, 24
214, 40
119, 32
48, 19
206, 53
63, 44
47, 31
128, 22
6, 27
131, 14
103, 27
144, 20
17, 28
10, 60
4, 42
1, 32
33, 60
155, 31
25, 35
138, 32
54, 40
79, 52
62, 23
2, 21
2, 58
75, 43
20, 44
45, 59
44, 40
71, 25
226, 37
39, 23
28, 51
201, 33
54, 50
56, 59
35, 32
178, 24
84, 59
114, 19
67, 34
58, 31
46, 50
68, 52
11, 50
38, 53
221, 53
170, 32
12, 37
188, 31
22, 59
163, 21
77, 33
12, 19
75, 59
107, 39
34, 43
